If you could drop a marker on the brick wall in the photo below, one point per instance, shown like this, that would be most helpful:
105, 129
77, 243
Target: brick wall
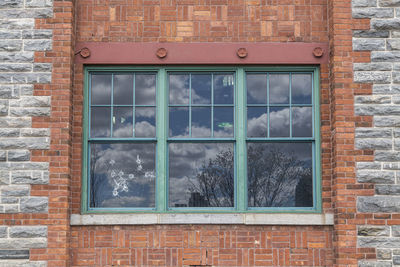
380, 41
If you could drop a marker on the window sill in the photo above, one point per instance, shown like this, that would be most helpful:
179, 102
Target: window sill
196, 218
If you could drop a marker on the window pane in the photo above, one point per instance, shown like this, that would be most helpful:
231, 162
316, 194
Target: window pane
122, 122
279, 88
279, 122
223, 122
123, 89
145, 122
100, 122
201, 175
256, 88
178, 89
101, 89
201, 89
302, 122
279, 175
301, 89
122, 175
145, 89
201, 122
178, 122
223, 89
257, 118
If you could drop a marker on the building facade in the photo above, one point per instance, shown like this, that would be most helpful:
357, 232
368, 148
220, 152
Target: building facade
310, 87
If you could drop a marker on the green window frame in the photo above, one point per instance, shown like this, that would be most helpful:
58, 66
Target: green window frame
239, 140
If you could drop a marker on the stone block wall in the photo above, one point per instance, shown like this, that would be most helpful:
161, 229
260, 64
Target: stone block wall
382, 39
19, 105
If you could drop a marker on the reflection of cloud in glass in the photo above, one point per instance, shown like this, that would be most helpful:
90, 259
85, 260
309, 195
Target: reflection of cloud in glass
257, 126
122, 122
301, 89
100, 121
279, 88
178, 89
256, 88
302, 121
145, 112
123, 89
100, 89
223, 88
279, 122
145, 89
145, 129
201, 88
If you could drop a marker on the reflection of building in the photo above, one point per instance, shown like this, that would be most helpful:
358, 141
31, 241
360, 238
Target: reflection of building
197, 200
180, 205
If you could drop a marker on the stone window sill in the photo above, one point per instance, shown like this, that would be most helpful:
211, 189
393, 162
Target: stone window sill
201, 218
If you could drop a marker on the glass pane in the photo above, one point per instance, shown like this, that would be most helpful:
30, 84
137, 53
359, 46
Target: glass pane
122, 175
101, 89
100, 122
178, 122
257, 118
223, 122
223, 89
279, 122
122, 122
145, 122
201, 89
279, 175
123, 89
256, 88
178, 89
145, 89
301, 88
201, 122
302, 122
279, 88
201, 175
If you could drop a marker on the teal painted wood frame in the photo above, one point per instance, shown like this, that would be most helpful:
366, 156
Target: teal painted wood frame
240, 139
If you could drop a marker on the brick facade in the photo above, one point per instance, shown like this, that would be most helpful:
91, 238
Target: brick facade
41, 105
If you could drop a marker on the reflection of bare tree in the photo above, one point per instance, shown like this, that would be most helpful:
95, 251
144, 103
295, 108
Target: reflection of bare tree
275, 179
215, 181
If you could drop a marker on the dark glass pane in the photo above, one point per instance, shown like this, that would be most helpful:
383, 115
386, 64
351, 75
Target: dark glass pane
122, 175
201, 122
302, 122
100, 122
101, 89
279, 175
123, 89
178, 122
223, 89
279, 122
301, 89
279, 88
145, 89
257, 118
145, 122
223, 122
201, 89
122, 122
201, 175
256, 88
179, 89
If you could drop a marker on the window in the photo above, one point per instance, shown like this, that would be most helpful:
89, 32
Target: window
201, 139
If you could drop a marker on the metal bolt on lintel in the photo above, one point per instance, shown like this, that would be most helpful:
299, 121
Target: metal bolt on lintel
84, 52
161, 52
318, 52
242, 52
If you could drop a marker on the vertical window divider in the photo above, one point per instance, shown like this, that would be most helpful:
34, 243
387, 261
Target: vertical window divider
161, 145
290, 105
190, 105
268, 118
240, 137
212, 104
134, 105
112, 105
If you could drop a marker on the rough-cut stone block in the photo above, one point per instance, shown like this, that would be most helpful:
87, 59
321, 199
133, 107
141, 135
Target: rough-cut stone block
379, 242
34, 204
9, 200
27, 166
19, 155
371, 12
23, 263
10, 34
379, 66
364, 263
396, 77
393, 44
374, 143
42, 67
16, 24
369, 165
37, 34
29, 177
10, 45
6, 254
15, 191
4, 177
387, 156
367, 99
27, 231
396, 260
384, 254
373, 132
390, 121
385, 56
35, 132
382, 89
25, 143
30, 112
387, 189
361, 44
372, 76
377, 110
15, 67
379, 177
386, 24
11, 208
14, 57
396, 230
3, 231
391, 166
3, 155
368, 230
37, 45
23, 243
363, 3
39, 3
11, 3
379, 204
391, 3
371, 34
31, 101
26, 13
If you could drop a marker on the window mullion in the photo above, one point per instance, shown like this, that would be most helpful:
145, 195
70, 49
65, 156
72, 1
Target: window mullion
161, 130
241, 162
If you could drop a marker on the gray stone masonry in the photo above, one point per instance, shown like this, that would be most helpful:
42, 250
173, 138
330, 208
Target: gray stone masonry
383, 40
18, 73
